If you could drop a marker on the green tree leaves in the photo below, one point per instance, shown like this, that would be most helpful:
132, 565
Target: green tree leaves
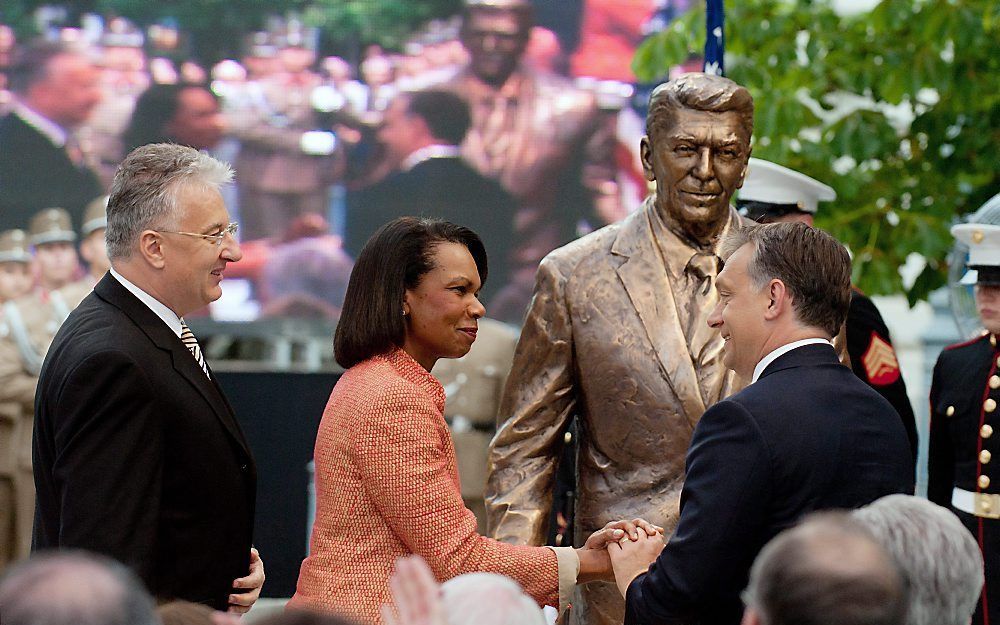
898, 109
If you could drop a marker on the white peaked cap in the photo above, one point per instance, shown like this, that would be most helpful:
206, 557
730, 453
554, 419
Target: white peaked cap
771, 183
983, 241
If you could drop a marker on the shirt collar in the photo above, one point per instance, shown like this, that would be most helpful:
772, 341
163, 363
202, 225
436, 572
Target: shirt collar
162, 311
428, 152
781, 351
676, 252
52, 131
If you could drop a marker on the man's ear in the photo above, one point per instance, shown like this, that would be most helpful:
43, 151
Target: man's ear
151, 249
646, 156
777, 292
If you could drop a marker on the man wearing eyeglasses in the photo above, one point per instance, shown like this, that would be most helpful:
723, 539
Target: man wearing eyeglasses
138, 455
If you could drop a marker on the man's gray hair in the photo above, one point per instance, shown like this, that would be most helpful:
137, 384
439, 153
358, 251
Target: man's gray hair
74, 588
144, 192
488, 599
937, 554
828, 570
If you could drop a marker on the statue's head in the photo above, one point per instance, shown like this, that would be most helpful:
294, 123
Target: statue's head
495, 34
696, 149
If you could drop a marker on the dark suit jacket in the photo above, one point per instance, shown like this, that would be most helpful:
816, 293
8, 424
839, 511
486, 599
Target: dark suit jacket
35, 174
808, 435
443, 188
138, 455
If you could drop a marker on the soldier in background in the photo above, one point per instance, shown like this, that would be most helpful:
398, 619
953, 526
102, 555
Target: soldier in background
286, 163
773, 193
54, 241
473, 384
94, 251
965, 389
16, 388
26, 328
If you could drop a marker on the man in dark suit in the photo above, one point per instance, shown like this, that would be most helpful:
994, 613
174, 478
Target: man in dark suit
137, 453
423, 131
806, 434
773, 193
42, 162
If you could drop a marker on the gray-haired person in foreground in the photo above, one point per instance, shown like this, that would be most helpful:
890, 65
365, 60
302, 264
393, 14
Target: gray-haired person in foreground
73, 588
938, 557
828, 570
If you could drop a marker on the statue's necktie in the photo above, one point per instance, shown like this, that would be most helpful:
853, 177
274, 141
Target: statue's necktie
187, 337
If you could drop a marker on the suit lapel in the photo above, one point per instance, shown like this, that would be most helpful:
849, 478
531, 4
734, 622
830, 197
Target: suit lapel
646, 282
163, 338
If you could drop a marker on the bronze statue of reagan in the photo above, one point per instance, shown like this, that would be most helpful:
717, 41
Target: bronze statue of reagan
617, 337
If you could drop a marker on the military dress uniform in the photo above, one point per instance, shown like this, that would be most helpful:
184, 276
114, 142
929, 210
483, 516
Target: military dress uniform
962, 471
27, 326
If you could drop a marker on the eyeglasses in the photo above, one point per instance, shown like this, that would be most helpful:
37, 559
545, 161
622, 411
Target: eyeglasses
216, 239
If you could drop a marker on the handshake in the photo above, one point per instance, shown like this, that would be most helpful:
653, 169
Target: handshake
621, 550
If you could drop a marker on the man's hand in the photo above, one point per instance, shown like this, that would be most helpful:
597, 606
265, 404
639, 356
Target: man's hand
416, 593
240, 603
594, 561
632, 558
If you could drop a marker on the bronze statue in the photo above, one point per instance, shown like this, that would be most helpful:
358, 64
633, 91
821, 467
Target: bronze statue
537, 134
617, 337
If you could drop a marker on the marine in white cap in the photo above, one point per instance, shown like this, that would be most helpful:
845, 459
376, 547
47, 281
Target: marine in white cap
965, 392
773, 193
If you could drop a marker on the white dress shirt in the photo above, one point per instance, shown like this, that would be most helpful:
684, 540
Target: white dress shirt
429, 152
52, 131
781, 351
162, 311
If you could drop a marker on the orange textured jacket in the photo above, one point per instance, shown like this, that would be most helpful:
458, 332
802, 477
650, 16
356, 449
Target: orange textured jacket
387, 486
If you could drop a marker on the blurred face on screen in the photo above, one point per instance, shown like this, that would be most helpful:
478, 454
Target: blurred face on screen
399, 131
69, 91
15, 280
198, 122
57, 263
495, 39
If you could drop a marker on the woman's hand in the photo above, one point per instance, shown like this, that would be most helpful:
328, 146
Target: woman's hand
594, 561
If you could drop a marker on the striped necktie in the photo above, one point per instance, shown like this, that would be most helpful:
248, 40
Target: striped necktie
187, 337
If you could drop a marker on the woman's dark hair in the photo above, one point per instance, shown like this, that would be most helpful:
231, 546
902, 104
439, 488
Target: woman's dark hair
393, 260
154, 109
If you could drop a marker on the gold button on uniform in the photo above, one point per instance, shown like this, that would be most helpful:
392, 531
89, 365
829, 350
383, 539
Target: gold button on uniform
995, 381
950, 411
990, 404
985, 456
986, 431
984, 481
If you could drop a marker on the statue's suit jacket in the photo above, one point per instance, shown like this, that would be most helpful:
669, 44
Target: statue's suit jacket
138, 455
602, 342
